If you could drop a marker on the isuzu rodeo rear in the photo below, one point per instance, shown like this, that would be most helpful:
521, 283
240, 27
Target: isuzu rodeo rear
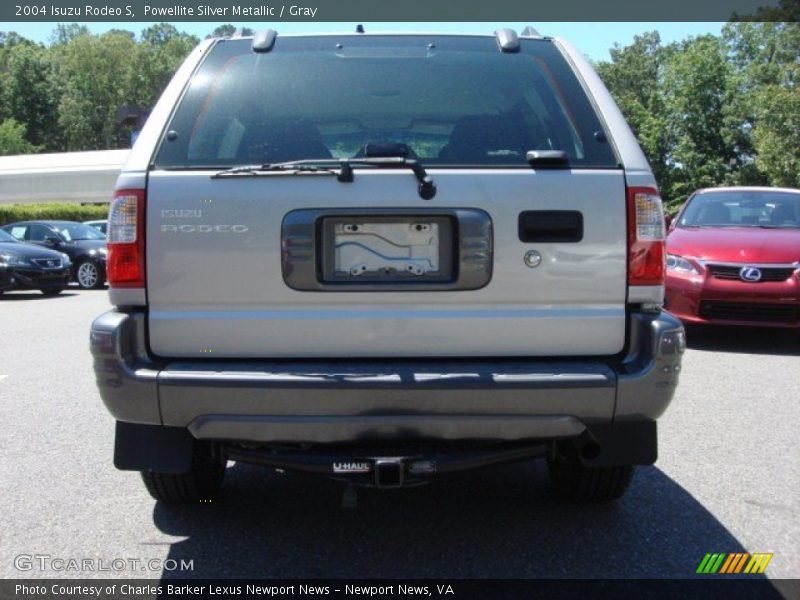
384, 257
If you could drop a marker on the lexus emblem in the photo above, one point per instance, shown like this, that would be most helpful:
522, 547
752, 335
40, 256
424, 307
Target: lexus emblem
750, 274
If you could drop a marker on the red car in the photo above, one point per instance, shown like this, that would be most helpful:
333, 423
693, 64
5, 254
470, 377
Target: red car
733, 258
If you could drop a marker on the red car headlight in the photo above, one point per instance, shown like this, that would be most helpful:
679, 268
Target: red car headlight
681, 265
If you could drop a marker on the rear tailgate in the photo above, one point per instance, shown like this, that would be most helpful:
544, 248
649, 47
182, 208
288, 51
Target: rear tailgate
216, 271
268, 264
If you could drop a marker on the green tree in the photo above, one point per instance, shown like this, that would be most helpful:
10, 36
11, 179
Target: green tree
31, 93
776, 135
635, 78
713, 110
12, 139
696, 92
159, 34
228, 30
99, 74
95, 72
764, 111
8, 40
64, 33
158, 56
125, 32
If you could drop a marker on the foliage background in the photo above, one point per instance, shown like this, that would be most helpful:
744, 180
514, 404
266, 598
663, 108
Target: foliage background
710, 110
11, 213
713, 110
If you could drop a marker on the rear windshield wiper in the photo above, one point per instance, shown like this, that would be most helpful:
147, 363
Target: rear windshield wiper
289, 167
426, 188
390, 154
344, 172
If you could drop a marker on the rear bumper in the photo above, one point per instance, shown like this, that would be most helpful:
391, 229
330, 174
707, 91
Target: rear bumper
372, 400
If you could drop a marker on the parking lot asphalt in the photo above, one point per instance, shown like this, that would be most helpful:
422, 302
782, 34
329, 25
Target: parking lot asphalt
727, 480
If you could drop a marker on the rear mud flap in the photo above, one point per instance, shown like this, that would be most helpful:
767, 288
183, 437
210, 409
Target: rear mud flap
152, 448
619, 443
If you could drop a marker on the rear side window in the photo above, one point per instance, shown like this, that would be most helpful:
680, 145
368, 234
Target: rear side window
18, 231
452, 101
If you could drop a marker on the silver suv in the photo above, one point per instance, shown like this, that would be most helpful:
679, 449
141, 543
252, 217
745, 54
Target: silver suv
383, 257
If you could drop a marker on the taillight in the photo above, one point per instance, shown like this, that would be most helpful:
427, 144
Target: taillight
646, 245
125, 263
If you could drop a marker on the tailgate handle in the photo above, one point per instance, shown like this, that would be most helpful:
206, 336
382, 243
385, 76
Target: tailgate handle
550, 226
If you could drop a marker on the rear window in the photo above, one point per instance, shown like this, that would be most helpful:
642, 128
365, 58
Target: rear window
452, 101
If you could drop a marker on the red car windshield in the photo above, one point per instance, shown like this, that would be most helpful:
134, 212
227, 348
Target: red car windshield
743, 209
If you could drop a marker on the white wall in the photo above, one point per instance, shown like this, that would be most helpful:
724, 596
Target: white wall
62, 177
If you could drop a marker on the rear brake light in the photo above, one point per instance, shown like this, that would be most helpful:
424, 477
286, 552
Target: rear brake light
125, 263
646, 235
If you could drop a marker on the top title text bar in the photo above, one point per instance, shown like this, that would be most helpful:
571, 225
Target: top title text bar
393, 10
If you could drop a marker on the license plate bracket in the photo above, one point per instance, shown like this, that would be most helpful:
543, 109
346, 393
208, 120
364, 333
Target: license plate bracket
387, 250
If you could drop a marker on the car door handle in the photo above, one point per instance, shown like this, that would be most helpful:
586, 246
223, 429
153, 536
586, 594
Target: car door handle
550, 226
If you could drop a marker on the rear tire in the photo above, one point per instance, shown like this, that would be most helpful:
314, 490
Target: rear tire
578, 483
201, 483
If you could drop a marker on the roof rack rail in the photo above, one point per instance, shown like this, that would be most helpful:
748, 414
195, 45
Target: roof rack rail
507, 40
263, 41
530, 32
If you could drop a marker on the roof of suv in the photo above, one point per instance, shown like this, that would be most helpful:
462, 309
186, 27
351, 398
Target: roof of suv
525, 34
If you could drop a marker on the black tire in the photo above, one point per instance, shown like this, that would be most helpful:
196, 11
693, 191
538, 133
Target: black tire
201, 484
579, 483
54, 291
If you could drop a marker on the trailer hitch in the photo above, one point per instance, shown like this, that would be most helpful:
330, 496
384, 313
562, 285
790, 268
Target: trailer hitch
385, 472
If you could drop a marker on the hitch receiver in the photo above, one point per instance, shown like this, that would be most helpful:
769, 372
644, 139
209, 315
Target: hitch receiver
389, 472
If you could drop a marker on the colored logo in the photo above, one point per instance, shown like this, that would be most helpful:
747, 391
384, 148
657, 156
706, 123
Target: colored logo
734, 562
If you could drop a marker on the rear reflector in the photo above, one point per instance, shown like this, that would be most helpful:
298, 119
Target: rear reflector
646, 235
125, 263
